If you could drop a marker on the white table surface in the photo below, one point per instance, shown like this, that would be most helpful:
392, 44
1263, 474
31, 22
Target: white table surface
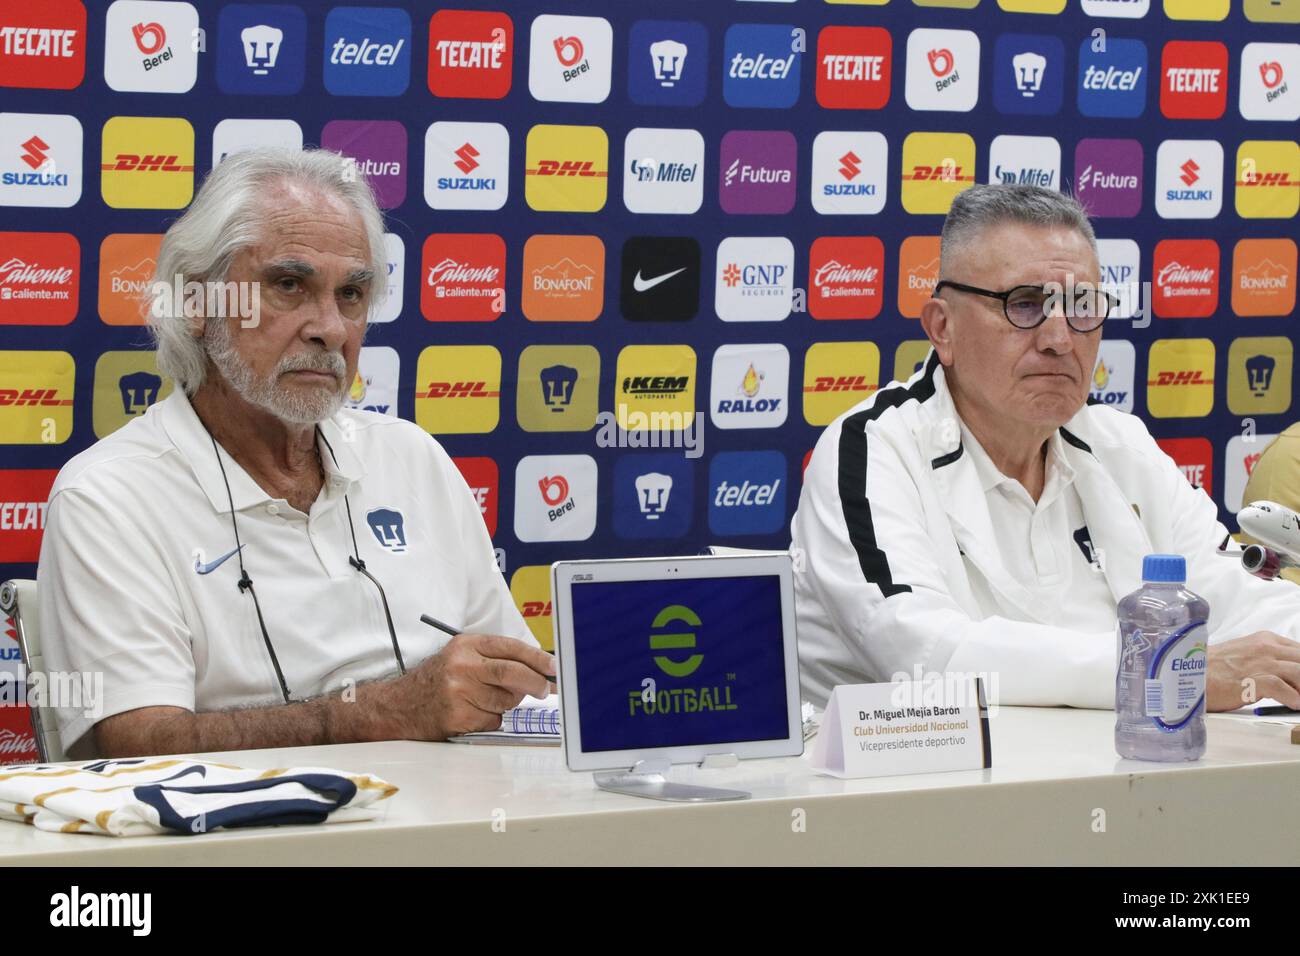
1055, 778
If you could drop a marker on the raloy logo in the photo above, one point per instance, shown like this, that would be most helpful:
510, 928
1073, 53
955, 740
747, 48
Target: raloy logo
374, 387
389, 528
849, 173
754, 279
40, 160
367, 51
750, 386
1028, 74
570, 59
1025, 160
466, 165
151, 46
747, 492
942, 70
761, 65
1108, 176
1189, 178
757, 172
663, 171
653, 495
470, 54
43, 46
555, 498
846, 277
667, 63
1112, 78
261, 49
1112, 377
378, 150
1267, 72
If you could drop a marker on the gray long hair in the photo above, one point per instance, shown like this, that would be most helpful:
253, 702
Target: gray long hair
225, 219
984, 205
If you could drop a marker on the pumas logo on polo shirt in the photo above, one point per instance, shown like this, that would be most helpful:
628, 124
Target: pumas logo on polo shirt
43, 46
389, 528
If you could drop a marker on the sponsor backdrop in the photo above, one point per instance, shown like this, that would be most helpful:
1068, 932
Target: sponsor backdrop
642, 252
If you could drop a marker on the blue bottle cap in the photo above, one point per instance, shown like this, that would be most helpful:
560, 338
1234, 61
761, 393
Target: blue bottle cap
1171, 568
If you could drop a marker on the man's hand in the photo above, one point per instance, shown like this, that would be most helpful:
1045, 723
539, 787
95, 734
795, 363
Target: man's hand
1265, 663
468, 685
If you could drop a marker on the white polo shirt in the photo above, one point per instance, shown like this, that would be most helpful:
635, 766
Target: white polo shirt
138, 576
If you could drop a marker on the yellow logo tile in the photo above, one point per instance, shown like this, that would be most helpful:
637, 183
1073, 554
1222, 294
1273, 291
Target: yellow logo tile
36, 390
836, 376
1259, 375
654, 388
147, 163
1180, 378
1272, 11
908, 358
458, 389
1032, 6
566, 168
126, 384
558, 386
936, 167
531, 588
1268, 179
1196, 9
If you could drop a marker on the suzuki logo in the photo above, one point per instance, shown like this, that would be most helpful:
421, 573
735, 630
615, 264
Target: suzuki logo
941, 61
1271, 73
554, 489
1190, 170
572, 45
35, 156
468, 161
849, 167
156, 34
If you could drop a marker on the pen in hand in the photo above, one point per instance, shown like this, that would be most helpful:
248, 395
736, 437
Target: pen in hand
447, 628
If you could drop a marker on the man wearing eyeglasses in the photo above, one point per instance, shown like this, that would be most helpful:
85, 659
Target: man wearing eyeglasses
246, 565
984, 518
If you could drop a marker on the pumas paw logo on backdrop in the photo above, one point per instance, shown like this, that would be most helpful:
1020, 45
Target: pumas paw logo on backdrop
261, 49
667, 63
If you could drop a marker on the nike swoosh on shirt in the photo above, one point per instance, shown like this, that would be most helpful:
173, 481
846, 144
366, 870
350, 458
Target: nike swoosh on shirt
212, 565
642, 285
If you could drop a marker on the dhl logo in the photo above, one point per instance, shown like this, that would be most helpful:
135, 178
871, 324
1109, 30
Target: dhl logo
1180, 378
570, 167
840, 383
459, 390
537, 609
1282, 179
32, 396
943, 173
149, 163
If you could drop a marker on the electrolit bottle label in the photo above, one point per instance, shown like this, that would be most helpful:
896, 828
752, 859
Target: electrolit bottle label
1175, 682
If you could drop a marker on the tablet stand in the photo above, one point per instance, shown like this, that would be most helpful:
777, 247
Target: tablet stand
647, 778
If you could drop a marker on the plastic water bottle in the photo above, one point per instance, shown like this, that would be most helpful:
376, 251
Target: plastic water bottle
1160, 684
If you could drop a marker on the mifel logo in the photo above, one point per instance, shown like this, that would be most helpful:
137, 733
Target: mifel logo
836, 376
1259, 375
126, 385
36, 390
654, 387
566, 168
1180, 378
458, 389
918, 273
1263, 277
126, 265
936, 167
531, 588
564, 278
1268, 179
148, 163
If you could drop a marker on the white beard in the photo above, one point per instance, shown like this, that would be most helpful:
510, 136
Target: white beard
304, 409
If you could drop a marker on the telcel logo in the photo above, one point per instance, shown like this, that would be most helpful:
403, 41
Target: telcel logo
678, 640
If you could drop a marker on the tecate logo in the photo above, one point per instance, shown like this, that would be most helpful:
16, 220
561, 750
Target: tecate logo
37, 41
470, 54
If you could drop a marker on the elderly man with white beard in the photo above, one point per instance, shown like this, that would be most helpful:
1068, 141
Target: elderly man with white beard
219, 560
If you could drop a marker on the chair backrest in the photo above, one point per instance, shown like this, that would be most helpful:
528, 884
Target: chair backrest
18, 601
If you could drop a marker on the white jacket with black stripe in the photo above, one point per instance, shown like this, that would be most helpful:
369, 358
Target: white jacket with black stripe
899, 569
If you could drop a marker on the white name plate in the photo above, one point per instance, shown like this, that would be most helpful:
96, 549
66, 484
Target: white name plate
881, 730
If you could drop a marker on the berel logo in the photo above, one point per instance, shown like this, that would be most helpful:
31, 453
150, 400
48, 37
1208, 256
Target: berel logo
377, 149
667, 63
943, 68
1240, 458
1108, 176
466, 165
761, 63
1265, 91
1263, 277
754, 280
654, 495
846, 277
1112, 376
1194, 458
39, 278
367, 51
236, 135
463, 277
23, 496
570, 59
849, 172
747, 492
151, 46
1189, 178
663, 171
750, 386
1112, 80
757, 172
484, 481
555, 498
261, 49
1193, 79
564, 278
1025, 160
1185, 277
40, 160
374, 386
42, 46
471, 54
1028, 74
126, 267
853, 67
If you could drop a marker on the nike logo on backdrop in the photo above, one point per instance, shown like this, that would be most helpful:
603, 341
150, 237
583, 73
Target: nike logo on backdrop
642, 285
211, 566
